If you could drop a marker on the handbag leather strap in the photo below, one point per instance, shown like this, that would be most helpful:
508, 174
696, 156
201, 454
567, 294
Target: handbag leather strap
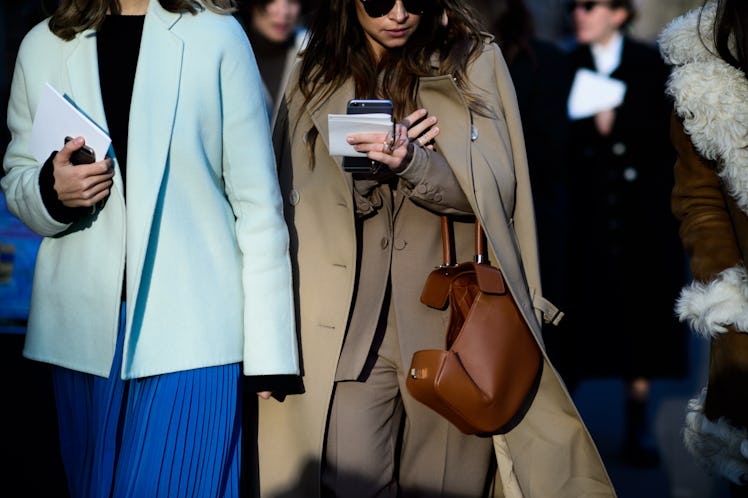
448, 242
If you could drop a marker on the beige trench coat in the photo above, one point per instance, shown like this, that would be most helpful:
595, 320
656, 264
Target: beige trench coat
550, 453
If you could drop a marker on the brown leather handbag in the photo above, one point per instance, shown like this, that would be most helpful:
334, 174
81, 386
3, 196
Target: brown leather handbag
486, 379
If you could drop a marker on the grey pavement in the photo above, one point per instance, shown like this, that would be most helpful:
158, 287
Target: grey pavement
601, 403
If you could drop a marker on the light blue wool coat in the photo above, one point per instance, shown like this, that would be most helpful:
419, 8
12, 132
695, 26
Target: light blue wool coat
203, 238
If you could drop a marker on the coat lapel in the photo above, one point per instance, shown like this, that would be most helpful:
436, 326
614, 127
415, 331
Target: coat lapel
335, 104
710, 95
83, 75
83, 81
152, 114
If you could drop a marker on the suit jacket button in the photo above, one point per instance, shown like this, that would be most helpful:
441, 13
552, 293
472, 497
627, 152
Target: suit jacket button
400, 244
385, 242
293, 197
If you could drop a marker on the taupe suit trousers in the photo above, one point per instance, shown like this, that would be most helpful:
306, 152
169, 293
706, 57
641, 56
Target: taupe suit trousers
365, 456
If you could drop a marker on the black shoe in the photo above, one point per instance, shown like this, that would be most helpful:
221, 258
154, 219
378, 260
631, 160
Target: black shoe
639, 449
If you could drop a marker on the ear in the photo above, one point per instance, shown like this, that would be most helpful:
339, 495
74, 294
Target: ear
620, 15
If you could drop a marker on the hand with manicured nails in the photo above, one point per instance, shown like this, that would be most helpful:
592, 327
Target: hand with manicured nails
396, 152
81, 185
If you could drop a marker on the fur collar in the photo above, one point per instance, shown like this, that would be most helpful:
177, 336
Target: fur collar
710, 96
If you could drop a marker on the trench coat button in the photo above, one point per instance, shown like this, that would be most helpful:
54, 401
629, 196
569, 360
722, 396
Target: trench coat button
385, 242
619, 148
437, 197
400, 244
421, 188
630, 174
293, 197
473, 133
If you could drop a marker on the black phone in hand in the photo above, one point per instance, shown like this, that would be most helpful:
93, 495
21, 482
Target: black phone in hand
84, 155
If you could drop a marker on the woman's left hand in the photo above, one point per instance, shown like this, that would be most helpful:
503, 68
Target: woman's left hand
384, 148
396, 151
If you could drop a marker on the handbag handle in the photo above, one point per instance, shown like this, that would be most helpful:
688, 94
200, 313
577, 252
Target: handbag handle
448, 242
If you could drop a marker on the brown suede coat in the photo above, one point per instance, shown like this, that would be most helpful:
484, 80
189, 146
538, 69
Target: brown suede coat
714, 232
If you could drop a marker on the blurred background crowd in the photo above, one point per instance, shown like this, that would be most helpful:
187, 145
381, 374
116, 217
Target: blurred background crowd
601, 185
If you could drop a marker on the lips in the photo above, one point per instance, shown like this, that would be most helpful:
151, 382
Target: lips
397, 33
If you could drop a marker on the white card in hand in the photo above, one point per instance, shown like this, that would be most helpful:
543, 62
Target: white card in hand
342, 125
593, 92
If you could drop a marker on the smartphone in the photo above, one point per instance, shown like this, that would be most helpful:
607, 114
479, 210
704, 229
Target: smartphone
84, 155
364, 106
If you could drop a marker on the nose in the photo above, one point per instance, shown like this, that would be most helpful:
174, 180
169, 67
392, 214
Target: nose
398, 12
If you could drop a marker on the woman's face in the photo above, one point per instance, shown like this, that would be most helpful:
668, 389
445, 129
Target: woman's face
389, 31
277, 20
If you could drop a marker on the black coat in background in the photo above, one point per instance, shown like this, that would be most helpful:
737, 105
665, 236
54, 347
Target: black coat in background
626, 264
542, 77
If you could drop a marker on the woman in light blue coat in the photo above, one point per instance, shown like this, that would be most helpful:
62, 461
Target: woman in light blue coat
148, 311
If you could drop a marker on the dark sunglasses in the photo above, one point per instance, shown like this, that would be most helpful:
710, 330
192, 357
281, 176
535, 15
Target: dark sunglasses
379, 8
589, 5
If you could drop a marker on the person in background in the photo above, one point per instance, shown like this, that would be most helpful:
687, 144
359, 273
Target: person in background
626, 264
151, 288
276, 31
709, 56
533, 64
364, 244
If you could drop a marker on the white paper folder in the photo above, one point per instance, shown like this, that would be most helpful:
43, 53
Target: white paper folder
58, 117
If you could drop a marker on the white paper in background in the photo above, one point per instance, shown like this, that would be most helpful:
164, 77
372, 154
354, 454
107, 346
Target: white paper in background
56, 118
593, 92
342, 125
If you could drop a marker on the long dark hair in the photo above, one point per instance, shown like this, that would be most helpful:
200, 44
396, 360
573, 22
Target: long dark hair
74, 16
731, 20
337, 50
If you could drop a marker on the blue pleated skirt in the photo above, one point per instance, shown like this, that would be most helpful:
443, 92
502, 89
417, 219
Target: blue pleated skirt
176, 435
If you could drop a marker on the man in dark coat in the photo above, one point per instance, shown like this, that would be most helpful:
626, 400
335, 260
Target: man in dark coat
626, 264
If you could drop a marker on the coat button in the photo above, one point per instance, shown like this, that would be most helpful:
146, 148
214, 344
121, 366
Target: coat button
293, 197
619, 148
421, 188
385, 242
630, 174
400, 244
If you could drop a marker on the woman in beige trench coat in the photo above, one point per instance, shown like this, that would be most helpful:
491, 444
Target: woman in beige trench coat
475, 165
